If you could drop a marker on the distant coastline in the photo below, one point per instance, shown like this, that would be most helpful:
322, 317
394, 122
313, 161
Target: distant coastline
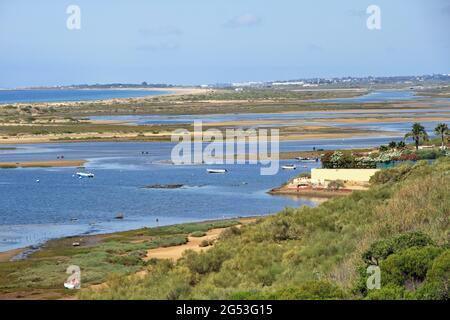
60, 95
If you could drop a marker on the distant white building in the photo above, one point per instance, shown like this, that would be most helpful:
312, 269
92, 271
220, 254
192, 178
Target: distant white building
288, 83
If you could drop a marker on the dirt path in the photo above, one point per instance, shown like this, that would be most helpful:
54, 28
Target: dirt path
174, 253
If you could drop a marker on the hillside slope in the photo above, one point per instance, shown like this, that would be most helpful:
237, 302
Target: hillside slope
401, 224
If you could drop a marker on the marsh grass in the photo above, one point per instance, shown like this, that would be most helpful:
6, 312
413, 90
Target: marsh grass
99, 257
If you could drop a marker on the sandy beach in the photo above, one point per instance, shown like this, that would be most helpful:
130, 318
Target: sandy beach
43, 164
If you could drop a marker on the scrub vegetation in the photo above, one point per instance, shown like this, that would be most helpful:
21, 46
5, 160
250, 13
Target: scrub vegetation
401, 224
100, 257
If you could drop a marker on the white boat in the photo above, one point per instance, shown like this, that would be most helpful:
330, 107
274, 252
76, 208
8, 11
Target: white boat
216, 170
85, 174
289, 167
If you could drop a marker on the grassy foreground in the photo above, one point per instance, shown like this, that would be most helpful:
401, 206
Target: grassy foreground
42, 274
401, 224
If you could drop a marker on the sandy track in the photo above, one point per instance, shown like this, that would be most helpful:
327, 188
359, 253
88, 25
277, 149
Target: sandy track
174, 253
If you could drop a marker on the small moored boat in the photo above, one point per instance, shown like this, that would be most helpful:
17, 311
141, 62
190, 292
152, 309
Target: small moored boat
85, 174
119, 216
216, 170
289, 167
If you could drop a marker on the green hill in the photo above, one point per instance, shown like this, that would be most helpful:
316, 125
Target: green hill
401, 224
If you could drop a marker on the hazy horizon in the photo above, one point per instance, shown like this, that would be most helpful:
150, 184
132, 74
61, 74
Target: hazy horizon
205, 42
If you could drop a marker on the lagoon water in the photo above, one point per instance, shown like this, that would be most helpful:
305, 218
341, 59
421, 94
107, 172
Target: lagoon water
288, 119
382, 96
59, 95
32, 212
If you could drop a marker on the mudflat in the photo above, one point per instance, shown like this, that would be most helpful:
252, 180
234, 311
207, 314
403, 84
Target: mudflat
40, 164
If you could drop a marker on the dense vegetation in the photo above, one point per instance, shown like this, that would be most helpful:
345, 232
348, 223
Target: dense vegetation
394, 151
348, 159
43, 273
401, 224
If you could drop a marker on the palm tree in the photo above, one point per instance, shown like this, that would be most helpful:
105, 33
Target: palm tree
442, 131
417, 133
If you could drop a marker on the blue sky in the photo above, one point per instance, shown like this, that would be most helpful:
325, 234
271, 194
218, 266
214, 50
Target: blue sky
209, 41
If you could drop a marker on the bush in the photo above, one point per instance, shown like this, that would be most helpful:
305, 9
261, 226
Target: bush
401, 145
198, 234
205, 243
437, 282
336, 185
389, 292
392, 145
248, 295
338, 160
127, 260
380, 250
409, 267
281, 229
203, 263
229, 233
311, 290
391, 175
171, 241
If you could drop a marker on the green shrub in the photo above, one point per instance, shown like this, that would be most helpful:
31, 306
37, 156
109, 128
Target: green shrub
205, 243
198, 234
229, 233
382, 249
248, 295
437, 284
409, 267
171, 241
204, 262
127, 260
336, 185
291, 250
311, 290
391, 175
388, 292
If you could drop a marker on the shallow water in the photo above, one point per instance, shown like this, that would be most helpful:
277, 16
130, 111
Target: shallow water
383, 96
58, 95
32, 212
213, 118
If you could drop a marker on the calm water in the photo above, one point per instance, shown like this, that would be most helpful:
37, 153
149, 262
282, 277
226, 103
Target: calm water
56, 95
285, 119
382, 96
32, 212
